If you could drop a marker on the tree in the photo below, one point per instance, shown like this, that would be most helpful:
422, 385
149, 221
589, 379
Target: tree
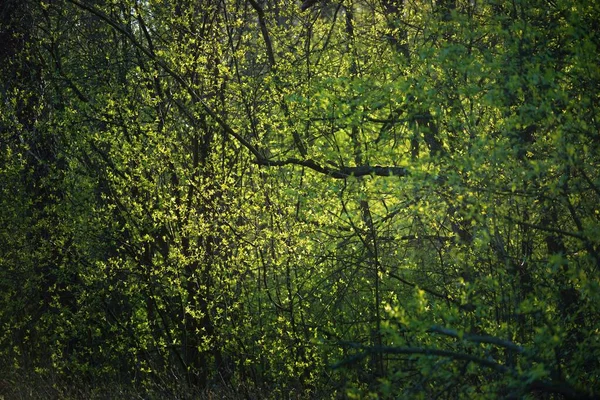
243, 195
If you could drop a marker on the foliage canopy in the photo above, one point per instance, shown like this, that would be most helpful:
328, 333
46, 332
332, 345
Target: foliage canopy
334, 199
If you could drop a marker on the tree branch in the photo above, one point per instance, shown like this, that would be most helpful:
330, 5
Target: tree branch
421, 351
264, 31
562, 388
548, 229
260, 159
195, 96
553, 387
478, 338
307, 4
341, 173
466, 307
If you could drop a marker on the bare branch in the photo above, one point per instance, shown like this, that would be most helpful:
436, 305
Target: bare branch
264, 31
548, 229
307, 4
341, 173
421, 351
478, 338
466, 307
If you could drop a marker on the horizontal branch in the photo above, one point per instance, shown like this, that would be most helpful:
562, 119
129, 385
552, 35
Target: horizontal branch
465, 307
553, 387
563, 388
507, 344
341, 173
548, 229
421, 351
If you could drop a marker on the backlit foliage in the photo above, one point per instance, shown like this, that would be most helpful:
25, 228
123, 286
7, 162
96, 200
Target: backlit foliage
241, 199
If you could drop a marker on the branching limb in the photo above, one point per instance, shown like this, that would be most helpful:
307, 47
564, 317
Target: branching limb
366, 351
178, 78
548, 229
260, 159
264, 31
466, 307
552, 387
341, 173
478, 338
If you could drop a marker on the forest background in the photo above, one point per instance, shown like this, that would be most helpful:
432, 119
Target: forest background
269, 199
